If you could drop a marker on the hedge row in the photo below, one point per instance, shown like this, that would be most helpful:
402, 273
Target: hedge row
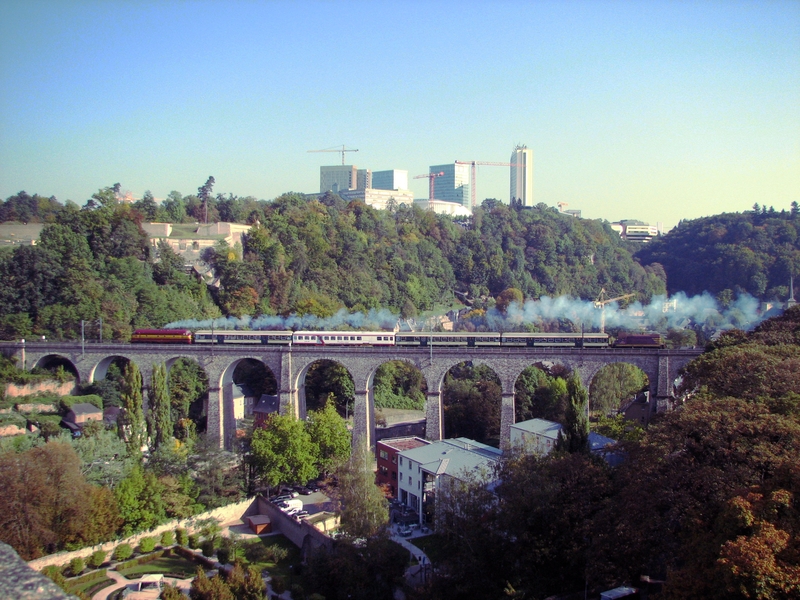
140, 560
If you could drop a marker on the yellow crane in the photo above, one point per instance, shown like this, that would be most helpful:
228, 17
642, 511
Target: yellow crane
601, 304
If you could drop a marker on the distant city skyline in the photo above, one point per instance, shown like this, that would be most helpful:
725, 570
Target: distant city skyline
651, 110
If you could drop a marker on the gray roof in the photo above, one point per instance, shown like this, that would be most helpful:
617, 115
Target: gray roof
598, 442
453, 456
548, 429
85, 408
267, 404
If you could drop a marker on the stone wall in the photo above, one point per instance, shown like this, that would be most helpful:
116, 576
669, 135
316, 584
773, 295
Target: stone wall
224, 514
15, 390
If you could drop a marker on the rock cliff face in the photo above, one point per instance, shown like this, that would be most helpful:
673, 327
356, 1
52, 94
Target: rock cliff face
14, 390
19, 581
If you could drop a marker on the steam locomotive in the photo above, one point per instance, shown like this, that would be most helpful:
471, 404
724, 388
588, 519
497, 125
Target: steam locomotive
384, 338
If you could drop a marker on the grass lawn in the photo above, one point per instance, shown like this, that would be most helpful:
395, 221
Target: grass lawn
433, 546
90, 588
172, 565
281, 568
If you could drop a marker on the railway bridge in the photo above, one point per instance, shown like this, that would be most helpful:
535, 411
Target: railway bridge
289, 365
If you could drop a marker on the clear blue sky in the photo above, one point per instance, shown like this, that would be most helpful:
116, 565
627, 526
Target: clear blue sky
634, 109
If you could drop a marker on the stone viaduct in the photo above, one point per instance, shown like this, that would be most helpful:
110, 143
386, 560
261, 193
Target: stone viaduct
289, 365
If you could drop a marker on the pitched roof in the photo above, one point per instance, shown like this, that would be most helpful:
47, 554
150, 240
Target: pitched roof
85, 408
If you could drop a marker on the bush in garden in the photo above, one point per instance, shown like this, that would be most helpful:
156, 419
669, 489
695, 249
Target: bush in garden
223, 555
181, 536
147, 544
193, 541
209, 547
76, 566
97, 559
167, 538
123, 552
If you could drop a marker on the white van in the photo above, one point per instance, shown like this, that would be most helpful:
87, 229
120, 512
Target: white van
292, 503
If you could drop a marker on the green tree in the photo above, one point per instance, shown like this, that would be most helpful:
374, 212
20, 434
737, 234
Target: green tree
283, 451
328, 431
214, 588
576, 428
614, 384
140, 501
364, 510
133, 428
160, 414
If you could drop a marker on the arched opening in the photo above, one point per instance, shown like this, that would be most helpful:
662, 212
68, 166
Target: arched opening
540, 392
107, 380
399, 393
329, 379
59, 366
619, 399
187, 383
472, 401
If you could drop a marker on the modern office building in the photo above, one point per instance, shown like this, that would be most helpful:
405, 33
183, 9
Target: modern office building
632, 230
521, 176
337, 178
453, 185
379, 199
390, 180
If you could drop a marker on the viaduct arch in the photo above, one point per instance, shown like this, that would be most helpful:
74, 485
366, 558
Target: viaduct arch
290, 365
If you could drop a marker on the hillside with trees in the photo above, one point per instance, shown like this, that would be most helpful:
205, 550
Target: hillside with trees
754, 252
302, 256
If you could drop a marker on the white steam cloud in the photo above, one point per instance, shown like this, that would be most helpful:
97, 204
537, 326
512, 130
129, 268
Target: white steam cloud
661, 313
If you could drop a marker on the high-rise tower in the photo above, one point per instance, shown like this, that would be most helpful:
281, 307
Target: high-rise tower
522, 176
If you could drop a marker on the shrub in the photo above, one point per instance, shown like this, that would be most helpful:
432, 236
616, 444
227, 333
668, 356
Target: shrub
97, 558
223, 555
298, 591
193, 540
209, 546
76, 566
167, 538
123, 552
181, 536
169, 592
147, 544
259, 553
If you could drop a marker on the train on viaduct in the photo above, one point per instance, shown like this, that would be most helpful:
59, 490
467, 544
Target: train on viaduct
289, 365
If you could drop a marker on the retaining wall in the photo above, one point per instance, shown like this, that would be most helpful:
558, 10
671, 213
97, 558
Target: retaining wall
223, 514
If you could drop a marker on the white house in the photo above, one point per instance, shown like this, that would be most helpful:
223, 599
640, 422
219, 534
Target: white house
422, 471
537, 436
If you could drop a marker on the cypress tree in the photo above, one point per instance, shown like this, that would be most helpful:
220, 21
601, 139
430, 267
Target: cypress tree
160, 416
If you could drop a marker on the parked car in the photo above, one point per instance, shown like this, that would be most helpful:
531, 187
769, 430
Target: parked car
301, 513
303, 490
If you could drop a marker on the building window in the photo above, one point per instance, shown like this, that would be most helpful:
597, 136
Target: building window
384, 455
409, 480
401, 461
394, 475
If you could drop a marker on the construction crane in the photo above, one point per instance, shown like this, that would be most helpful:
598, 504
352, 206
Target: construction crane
601, 304
431, 177
474, 163
337, 149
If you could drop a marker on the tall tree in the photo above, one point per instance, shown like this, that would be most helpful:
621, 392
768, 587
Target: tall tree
160, 414
576, 430
133, 430
365, 510
328, 430
204, 193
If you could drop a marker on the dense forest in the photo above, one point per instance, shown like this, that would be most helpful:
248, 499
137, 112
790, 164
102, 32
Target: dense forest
754, 252
706, 499
302, 256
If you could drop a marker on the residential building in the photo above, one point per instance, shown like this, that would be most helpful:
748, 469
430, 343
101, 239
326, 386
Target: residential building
265, 406
83, 412
390, 180
386, 452
338, 178
453, 185
521, 176
535, 436
423, 470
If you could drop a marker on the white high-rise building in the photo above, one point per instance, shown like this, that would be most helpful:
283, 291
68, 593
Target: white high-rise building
522, 176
